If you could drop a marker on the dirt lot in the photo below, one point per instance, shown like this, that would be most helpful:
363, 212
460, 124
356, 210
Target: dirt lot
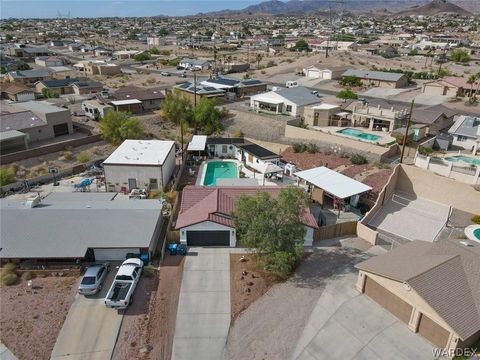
149, 323
30, 323
245, 275
281, 313
305, 160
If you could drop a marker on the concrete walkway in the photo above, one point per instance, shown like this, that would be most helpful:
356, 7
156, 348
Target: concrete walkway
348, 325
90, 330
5, 353
203, 315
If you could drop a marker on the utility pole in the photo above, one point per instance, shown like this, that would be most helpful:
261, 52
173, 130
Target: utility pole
406, 132
194, 101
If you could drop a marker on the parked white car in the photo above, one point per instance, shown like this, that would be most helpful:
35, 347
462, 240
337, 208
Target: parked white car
92, 280
291, 84
120, 294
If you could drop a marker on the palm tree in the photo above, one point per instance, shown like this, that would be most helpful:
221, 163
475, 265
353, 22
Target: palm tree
477, 75
258, 58
215, 52
229, 60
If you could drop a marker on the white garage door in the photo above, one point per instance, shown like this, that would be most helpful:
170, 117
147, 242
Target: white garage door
113, 254
326, 75
313, 74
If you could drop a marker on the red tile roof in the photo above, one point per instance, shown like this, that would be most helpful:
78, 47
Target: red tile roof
216, 204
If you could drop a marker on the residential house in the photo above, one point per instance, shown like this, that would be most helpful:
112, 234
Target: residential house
69, 86
194, 64
140, 164
101, 68
205, 216
29, 77
89, 226
379, 78
332, 73
223, 147
438, 118
323, 115
34, 121
150, 98
420, 283
57, 43
376, 117
335, 45
17, 92
27, 52
236, 88
192, 91
451, 86
290, 101
102, 51
125, 54
86, 87
466, 133
48, 61
256, 156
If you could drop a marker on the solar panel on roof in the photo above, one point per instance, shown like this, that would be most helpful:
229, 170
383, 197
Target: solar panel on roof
251, 82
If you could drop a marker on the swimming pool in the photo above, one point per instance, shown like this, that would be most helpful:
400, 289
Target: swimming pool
219, 169
465, 159
359, 134
473, 232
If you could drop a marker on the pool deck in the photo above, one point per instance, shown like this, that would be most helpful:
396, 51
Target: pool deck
384, 137
248, 173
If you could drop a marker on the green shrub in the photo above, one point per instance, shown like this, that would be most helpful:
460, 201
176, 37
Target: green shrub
358, 159
312, 148
9, 268
149, 271
7, 176
28, 276
238, 133
83, 157
476, 219
281, 264
9, 279
299, 147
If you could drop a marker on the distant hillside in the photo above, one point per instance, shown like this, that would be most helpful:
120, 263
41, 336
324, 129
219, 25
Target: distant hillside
403, 7
434, 8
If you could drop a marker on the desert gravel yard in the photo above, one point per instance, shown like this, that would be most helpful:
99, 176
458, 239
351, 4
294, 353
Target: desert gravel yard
270, 327
30, 323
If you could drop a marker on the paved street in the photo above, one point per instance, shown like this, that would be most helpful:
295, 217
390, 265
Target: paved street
203, 316
90, 330
348, 325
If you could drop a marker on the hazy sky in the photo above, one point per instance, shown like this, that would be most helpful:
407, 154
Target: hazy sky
99, 8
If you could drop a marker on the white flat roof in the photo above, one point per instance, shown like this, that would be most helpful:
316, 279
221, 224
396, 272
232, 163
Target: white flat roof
141, 152
325, 107
267, 100
338, 185
126, 102
198, 143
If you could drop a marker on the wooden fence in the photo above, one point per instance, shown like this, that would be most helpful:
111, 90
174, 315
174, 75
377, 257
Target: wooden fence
336, 230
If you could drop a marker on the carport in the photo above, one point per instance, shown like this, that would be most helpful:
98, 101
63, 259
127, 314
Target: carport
322, 181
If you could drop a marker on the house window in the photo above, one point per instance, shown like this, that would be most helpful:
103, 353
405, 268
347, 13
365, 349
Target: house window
461, 138
289, 108
151, 102
153, 183
224, 149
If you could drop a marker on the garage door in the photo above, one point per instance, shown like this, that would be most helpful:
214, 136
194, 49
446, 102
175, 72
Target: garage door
208, 238
313, 74
113, 254
60, 129
326, 75
433, 332
434, 90
388, 300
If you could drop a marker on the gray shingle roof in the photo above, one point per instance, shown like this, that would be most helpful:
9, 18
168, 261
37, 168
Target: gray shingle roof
373, 75
67, 224
299, 95
466, 126
20, 121
30, 73
444, 273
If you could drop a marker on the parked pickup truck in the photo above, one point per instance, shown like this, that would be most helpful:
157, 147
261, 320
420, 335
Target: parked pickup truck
120, 294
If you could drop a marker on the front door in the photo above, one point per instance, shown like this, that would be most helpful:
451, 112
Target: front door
132, 184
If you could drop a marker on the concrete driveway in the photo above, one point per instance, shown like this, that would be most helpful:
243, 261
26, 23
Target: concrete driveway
90, 330
203, 315
348, 325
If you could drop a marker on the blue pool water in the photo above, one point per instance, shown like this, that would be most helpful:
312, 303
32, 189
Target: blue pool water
219, 169
359, 134
476, 233
465, 159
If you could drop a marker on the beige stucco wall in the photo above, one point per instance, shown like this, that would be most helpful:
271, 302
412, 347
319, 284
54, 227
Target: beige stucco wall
409, 295
426, 184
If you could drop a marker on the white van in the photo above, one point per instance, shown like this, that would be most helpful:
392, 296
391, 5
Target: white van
291, 83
